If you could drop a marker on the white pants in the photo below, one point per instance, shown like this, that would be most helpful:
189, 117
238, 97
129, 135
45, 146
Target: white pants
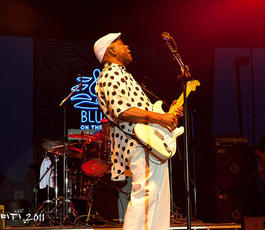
149, 208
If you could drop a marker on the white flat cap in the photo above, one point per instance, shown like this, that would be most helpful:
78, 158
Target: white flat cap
102, 44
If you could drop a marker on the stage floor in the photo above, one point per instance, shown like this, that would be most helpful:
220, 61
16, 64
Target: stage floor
194, 225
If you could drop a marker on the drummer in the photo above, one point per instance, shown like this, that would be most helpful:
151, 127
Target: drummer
104, 134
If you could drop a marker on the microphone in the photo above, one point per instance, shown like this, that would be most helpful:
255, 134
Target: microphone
81, 82
166, 36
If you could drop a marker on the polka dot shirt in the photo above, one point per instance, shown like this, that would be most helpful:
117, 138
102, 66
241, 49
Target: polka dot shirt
117, 91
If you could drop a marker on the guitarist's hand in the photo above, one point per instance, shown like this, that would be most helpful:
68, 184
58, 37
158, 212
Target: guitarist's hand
169, 121
178, 111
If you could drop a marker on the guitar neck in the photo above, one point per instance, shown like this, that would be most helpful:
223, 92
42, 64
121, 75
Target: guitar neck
179, 102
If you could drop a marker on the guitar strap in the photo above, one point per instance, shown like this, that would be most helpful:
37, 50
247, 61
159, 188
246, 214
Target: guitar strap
151, 93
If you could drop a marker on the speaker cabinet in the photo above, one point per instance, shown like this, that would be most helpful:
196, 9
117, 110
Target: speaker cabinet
233, 206
231, 190
254, 223
235, 167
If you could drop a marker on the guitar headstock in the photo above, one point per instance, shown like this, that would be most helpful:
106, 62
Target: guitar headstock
191, 85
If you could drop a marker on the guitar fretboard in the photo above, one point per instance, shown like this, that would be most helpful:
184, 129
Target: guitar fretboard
191, 86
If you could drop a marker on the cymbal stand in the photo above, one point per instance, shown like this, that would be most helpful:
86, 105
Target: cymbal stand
65, 173
54, 209
56, 181
45, 206
60, 218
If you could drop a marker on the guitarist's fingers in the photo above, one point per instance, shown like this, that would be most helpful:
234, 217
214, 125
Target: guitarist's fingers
169, 121
179, 111
174, 126
175, 122
173, 103
170, 128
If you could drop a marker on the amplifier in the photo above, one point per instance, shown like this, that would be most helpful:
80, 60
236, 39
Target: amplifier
254, 223
2, 218
230, 141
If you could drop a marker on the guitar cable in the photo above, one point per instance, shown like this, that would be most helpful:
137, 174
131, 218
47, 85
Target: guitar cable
151, 93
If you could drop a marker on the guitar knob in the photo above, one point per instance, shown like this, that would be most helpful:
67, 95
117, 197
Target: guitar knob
167, 148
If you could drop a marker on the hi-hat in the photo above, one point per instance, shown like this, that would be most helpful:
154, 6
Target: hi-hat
49, 144
71, 151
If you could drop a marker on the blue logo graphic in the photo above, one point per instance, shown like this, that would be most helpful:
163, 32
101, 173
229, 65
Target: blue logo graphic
85, 99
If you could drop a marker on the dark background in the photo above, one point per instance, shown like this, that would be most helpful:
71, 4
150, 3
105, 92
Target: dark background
45, 44
220, 23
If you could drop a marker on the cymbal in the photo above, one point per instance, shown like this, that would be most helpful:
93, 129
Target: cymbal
80, 135
84, 136
49, 144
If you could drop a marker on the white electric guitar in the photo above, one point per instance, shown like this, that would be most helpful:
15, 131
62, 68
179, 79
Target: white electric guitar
159, 140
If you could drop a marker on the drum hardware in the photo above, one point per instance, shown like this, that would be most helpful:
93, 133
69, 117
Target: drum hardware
53, 214
71, 150
56, 148
47, 186
88, 164
53, 209
56, 212
47, 204
65, 166
84, 136
92, 217
96, 158
68, 215
95, 163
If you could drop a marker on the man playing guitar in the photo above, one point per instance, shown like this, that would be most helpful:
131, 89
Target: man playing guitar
125, 104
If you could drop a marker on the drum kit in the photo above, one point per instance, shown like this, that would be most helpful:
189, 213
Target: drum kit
88, 160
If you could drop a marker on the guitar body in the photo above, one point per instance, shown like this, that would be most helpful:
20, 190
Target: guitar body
158, 139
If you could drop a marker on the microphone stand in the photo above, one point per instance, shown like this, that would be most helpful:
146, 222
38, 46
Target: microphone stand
184, 75
65, 167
